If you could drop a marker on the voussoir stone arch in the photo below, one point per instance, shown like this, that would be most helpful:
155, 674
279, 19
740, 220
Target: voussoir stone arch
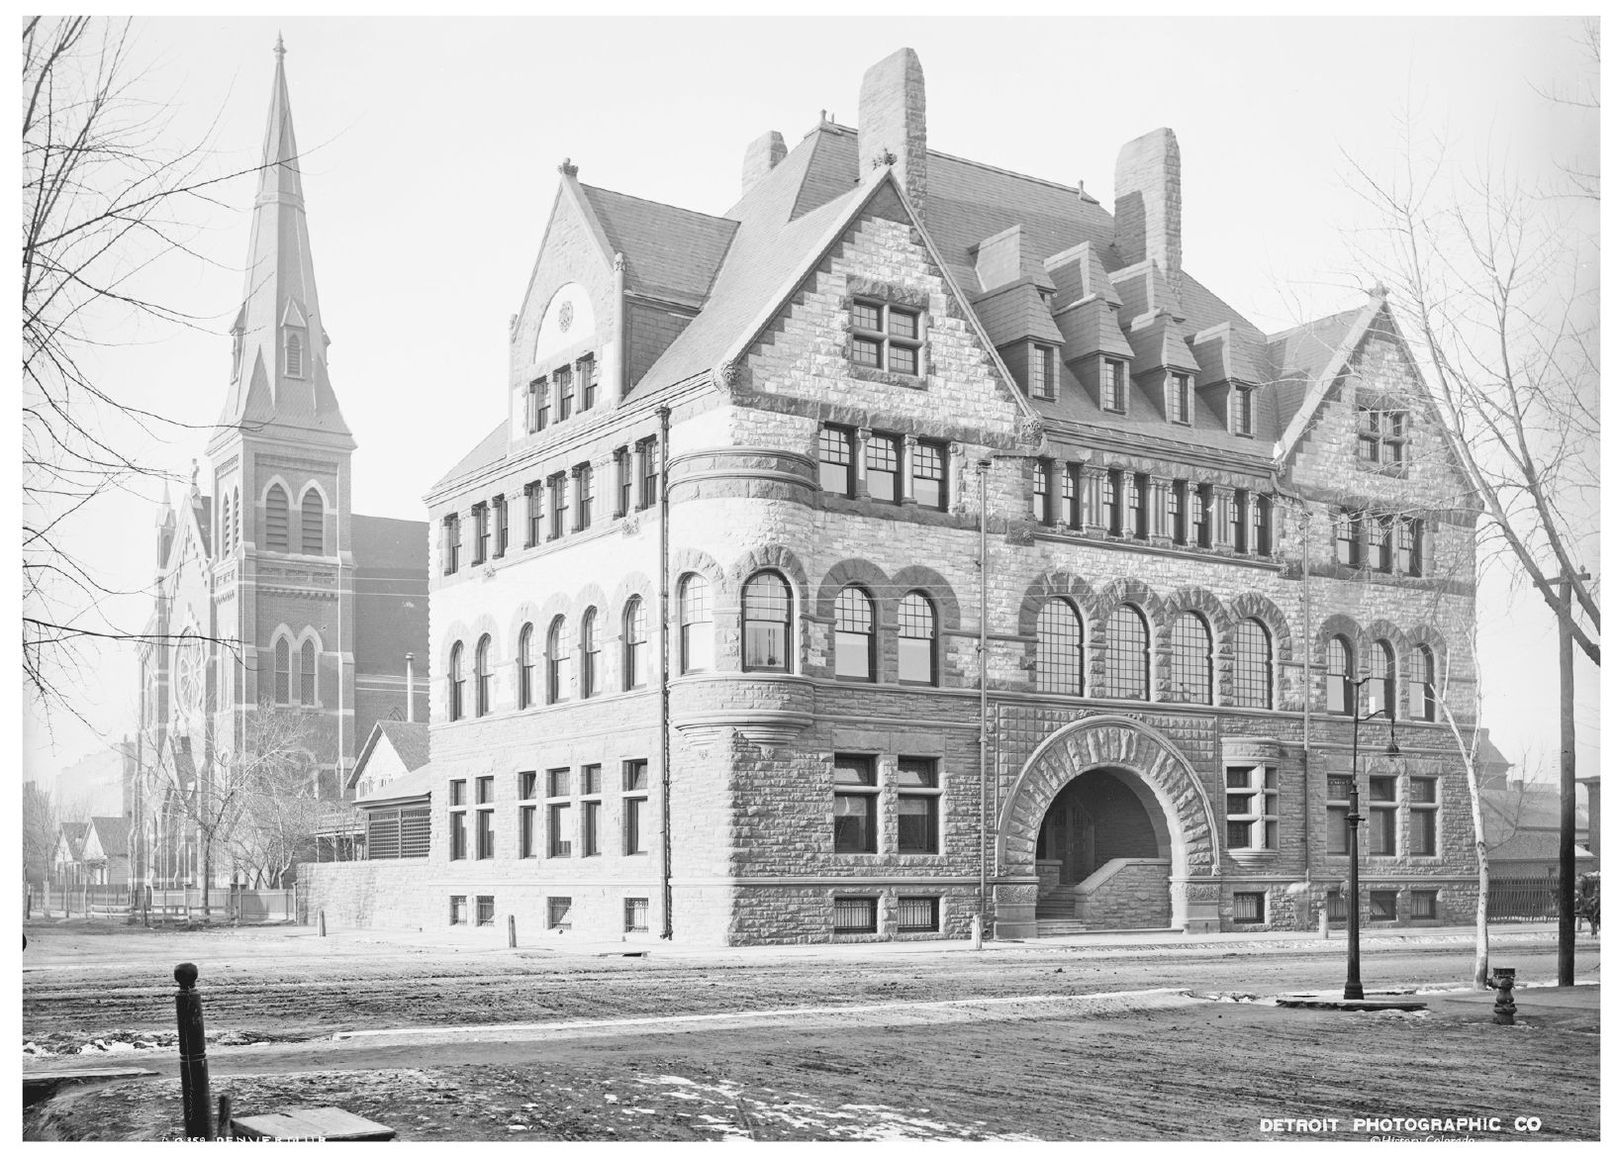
1259, 607
851, 571
1340, 625
590, 595
1108, 741
635, 584
1048, 586
1193, 599
1383, 630
1133, 591
776, 557
928, 581
683, 560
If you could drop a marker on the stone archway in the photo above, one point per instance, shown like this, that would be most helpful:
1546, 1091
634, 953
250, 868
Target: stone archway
1137, 753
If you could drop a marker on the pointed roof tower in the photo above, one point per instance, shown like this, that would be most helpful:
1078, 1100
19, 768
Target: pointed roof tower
278, 367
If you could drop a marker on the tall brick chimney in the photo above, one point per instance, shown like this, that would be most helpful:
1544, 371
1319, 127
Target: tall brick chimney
1146, 215
892, 123
762, 156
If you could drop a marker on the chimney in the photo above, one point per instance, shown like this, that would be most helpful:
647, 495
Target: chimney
762, 156
1146, 214
892, 123
409, 687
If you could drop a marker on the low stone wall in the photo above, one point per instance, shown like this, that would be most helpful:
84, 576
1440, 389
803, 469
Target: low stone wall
1127, 894
381, 895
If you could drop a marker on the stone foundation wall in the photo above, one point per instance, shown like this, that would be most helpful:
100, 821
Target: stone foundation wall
1135, 896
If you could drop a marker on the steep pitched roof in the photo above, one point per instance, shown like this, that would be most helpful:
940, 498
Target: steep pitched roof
670, 253
408, 740
416, 783
489, 451
113, 834
1320, 350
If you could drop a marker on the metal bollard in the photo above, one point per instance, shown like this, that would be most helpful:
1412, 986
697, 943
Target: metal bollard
511, 931
1504, 1006
193, 1054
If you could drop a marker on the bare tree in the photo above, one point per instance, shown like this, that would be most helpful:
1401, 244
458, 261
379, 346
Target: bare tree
40, 827
282, 812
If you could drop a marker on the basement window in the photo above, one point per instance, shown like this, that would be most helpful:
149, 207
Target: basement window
1248, 908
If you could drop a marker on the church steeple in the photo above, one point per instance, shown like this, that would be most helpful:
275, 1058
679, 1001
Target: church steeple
278, 361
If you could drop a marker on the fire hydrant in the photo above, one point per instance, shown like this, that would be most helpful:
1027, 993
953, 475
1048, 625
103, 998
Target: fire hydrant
1504, 1005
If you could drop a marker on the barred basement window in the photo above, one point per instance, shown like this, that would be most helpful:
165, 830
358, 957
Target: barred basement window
1381, 824
881, 468
1383, 905
1423, 817
927, 475
277, 515
886, 336
917, 915
853, 808
1248, 907
527, 813
1128, 655
919, 799
1192, 644
485, 909
917, 641
1059, 660
1423, 905
853, 915
1253, 684
836, 460
636, 915
1252, 807
855, 655
457, 910
559, 913
1338, 792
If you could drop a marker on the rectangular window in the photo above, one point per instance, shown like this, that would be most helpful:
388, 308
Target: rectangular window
1041, 372
1383, 905
485, 909
559, 913
485, 817
541, 408
451, 544
881, 467
564, 393
586, 383
558, 503
854, 804
853, 915
1338, 789
480, 534
559, 815
1178, 522
534, 494
625, 477
584, 485
1423, 905
636, 915
1041, 492
647, 462
1348, 538
919, 798
1139, 487
527, 798
1112, 499
1202, 515
1241, 410
917, 915
636, 781
502, 526
1381, 826
457, 910
457, 835
1069, 495
1261, 529
886, 337
1179, 398
836, 460
1252, 807
1248, 907
1423, 817
1111, 386
590, 816
1382, 537
1410, 531
1384, 438
931, 487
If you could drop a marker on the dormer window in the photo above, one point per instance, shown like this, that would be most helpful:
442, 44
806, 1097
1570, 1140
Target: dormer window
1179, 398
1384, 438
1041, 372
1112, 383
886, 337
1241, 410
294, 354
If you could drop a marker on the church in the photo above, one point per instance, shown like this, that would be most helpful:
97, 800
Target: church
290, 623
916, 548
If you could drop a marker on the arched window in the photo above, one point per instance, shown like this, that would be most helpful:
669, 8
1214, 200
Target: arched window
917, 640
277, 514
294, 355
589, 675
766, 623
484, 677
525, 667
856, 635
1060, 656
457, 682
283, 672
1338, 669
306, 674
1254, 665
1383, 683
1192, 659
558, 650
634, 644
1425, 702
224, 526
1128, 654
235, 521
695, 624
314, 522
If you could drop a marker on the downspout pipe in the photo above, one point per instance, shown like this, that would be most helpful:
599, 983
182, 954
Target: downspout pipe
1306, 522
983, 467
663, 415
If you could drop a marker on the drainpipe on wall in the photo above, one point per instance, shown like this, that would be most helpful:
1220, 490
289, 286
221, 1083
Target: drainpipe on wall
620, 343
1305, 523
983, 466
663, 414
409, 687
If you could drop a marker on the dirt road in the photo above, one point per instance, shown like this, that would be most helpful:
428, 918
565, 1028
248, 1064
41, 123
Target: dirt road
944, 1044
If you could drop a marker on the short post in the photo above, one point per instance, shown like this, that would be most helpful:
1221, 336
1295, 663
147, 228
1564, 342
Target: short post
1504, 1005
1324, 923
976, 931
223, 1130
28, 903
322, 923
511, 931
193, 1053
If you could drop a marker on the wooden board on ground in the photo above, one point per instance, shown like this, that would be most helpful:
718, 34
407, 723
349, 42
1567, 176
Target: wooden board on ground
314, 1123
40, 1084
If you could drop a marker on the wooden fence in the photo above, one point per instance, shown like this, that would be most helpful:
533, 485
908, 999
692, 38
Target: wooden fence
160, 904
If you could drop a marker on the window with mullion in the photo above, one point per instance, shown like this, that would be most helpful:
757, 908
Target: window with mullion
584, 486
1041, 492
564, 393
766, 623
558, 654
480, 533
541, 404
634, 644
1252, 807
885, 336
927, 475
620, 457
1254, 666
587, 383
917, 641
1128, 655
1423, 817
1059, 664
855, 652
836, 460
1179, 398
695, 624
558, 503
1381, 822
534, 495
918, 802
1338, 791
854, 797
882, 456
502, 525
1192, 643
1338, 672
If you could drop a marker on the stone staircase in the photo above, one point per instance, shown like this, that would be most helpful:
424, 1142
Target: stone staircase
1057, 912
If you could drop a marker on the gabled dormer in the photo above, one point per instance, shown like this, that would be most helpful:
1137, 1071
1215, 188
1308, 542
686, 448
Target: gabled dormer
1230, 367
1086, 306
1014, 308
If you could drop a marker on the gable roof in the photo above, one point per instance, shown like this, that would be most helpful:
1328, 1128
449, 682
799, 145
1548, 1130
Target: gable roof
670, 253
415, 784
408, 740
490, 450
113, 834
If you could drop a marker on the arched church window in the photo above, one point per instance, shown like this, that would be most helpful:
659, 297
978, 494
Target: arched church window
306, 674
277, 515
283, 672
314, 523
294, 355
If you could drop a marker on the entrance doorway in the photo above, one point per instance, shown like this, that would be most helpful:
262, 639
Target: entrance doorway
1103, 855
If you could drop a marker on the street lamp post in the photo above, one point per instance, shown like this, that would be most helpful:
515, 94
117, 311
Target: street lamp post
1353, 989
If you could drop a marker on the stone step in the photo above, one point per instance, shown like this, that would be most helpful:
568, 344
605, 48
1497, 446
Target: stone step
1058, 927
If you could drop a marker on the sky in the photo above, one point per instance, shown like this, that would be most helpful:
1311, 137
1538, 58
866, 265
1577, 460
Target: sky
430, 151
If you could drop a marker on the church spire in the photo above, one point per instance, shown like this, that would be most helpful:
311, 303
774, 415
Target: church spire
278, 363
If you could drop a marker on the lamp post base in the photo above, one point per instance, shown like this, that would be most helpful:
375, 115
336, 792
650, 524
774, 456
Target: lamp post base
1353, 992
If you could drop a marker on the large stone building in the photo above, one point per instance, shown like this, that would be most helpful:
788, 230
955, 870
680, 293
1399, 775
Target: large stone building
915, 541
281, 618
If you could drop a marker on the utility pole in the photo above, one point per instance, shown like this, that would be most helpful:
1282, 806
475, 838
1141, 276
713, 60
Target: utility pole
1569, 786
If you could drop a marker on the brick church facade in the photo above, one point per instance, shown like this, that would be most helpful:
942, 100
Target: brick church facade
280, 615
918, 541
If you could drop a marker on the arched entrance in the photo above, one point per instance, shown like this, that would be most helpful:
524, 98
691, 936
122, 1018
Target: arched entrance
1106, 825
